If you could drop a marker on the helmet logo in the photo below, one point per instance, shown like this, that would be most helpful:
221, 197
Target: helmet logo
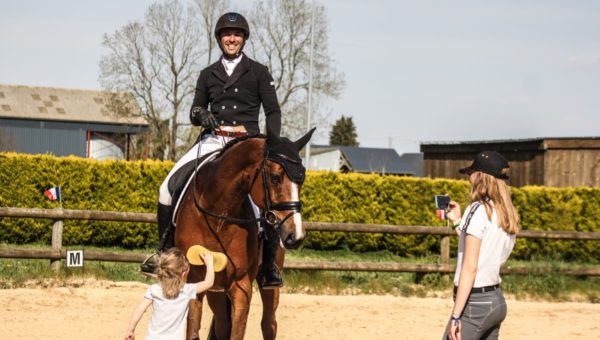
232, 17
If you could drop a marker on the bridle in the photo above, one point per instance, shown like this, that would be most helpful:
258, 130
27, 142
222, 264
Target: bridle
269, 216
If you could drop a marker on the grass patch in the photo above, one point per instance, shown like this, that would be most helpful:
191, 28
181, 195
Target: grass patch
542, 286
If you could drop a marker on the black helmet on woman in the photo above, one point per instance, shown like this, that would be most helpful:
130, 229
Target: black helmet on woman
232, 20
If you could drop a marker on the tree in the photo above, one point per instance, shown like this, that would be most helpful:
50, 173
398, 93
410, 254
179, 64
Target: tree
343, 132
210, 11
280, 38
157, 60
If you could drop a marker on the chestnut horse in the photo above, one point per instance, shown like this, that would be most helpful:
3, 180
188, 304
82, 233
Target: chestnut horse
215, 212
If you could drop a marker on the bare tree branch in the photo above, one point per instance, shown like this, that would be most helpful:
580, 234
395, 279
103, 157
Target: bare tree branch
210, 11
281, 40
158, 60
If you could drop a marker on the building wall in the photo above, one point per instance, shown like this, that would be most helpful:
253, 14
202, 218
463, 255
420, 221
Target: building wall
61, 138
556, 162
445, 165
572, 168
39, 137
526, 167
326, 161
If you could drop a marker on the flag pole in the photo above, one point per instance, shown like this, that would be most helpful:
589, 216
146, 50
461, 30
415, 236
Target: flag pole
59, 197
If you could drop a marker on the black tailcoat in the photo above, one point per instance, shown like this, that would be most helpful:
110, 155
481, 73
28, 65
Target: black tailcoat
236, 99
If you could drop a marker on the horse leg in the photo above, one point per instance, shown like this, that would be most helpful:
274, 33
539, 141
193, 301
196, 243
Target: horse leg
268, 324
240, 294
194, 318
270, 301
220, 327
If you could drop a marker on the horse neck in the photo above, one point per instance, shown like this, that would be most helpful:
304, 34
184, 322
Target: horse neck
233, 174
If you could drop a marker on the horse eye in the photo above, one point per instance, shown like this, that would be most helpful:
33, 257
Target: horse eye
275, 179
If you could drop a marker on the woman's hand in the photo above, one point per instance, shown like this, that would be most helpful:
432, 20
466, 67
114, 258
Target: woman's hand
454, 332
453, 213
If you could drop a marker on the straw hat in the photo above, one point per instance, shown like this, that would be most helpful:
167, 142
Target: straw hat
193, 256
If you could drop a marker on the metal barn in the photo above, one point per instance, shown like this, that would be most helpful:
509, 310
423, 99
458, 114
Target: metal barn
84, 123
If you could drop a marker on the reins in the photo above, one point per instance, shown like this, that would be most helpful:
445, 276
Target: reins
226, 218
269, 215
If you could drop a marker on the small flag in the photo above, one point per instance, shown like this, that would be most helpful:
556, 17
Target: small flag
53, 193
441, 214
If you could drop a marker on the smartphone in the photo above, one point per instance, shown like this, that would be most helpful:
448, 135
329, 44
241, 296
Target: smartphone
442, 202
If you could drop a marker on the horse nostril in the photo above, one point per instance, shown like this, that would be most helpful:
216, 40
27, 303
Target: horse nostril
291, 240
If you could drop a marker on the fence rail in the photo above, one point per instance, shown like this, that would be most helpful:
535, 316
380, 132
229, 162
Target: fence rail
96, 215
57, 253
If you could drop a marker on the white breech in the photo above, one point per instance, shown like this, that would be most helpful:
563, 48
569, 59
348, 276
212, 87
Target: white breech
207, 144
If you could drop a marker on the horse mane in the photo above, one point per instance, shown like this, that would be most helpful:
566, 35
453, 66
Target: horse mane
234, 141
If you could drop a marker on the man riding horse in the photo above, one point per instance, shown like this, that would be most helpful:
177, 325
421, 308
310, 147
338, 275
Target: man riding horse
226, 105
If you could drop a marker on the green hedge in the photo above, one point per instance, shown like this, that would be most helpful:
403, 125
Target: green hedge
85, 184
327, 197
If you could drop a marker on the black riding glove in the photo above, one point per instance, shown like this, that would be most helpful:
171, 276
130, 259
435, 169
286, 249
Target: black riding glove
202, 117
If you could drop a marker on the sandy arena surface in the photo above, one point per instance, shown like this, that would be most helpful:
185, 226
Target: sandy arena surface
102, 310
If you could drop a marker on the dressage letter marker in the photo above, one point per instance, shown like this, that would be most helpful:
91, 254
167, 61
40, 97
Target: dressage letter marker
75, 258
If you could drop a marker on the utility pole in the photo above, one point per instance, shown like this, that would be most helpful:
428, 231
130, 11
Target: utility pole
310, 76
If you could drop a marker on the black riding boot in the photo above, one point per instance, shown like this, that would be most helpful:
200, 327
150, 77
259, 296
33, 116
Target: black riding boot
164, 217
269, 276
165, 234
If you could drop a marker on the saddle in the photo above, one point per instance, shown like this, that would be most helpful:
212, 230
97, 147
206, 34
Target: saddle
182, 178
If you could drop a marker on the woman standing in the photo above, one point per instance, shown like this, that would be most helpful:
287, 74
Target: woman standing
487, 235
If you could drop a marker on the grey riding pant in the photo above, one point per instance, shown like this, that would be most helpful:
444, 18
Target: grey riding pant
482, 316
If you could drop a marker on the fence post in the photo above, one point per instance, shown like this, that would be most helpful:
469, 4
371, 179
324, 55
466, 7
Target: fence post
57, 231
445, 256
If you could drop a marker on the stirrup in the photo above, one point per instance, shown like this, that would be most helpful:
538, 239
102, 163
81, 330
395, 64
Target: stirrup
148, 267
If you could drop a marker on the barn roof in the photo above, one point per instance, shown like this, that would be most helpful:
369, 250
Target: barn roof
370, 160
72, 105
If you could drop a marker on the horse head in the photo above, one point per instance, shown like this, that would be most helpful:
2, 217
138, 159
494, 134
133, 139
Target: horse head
282, 178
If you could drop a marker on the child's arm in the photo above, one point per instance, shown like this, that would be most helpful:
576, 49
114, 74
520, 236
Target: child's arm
209, 280
135, 318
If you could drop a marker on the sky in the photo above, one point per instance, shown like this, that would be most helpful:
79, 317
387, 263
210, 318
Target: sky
415, 71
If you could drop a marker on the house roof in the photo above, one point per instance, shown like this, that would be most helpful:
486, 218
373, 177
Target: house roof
414, 162
370, 160
73, 105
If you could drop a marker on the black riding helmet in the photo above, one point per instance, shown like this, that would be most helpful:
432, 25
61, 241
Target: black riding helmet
231, 20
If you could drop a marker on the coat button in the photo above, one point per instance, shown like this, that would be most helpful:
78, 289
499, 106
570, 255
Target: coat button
223, 107
234, 122
222, 122
235, 89
235, 106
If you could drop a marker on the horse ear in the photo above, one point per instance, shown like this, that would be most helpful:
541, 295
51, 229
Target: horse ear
300, 143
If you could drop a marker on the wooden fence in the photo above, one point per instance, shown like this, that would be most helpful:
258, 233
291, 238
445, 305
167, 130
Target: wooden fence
57, 252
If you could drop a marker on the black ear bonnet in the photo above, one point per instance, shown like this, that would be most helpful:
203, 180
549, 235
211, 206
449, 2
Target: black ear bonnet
285, 154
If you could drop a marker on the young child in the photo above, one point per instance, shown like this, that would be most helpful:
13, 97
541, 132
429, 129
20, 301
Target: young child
170, 297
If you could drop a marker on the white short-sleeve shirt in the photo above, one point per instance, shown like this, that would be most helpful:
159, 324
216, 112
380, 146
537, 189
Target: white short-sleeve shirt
496, 244
169, 317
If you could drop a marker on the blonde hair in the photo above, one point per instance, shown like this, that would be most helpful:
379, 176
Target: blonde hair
487, 187
171, 268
